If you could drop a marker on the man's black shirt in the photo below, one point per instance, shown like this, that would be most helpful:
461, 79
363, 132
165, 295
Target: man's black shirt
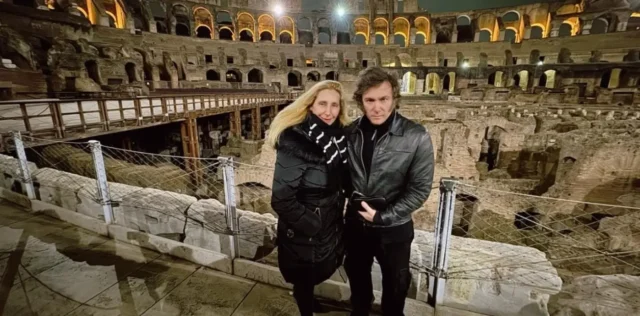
372, 133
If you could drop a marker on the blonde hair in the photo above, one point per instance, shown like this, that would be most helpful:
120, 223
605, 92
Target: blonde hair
296, 112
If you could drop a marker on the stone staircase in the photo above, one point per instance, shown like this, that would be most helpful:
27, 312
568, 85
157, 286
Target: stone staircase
7, 63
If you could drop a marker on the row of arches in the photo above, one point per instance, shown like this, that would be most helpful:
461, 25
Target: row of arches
431, 84
294, 78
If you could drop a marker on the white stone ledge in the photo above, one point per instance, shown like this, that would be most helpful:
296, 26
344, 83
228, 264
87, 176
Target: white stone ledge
335, 291
77, 219
16, 198
210, 259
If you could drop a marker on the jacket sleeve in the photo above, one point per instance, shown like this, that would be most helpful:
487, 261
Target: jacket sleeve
419, 182
286, 180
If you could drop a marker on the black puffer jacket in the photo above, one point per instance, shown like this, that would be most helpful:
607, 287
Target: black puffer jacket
307, 197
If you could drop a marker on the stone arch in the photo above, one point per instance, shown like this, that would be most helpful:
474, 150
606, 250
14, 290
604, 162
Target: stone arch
324, 31
213, 75
432, 84
225, 33
404, 60
161, 27
511, 16
488, 22
511, 35
548, 79
331, 75
131, 70
224, 21
566, 29
423, 28
537, 32
266, 27
534, 57
294, 79
246, 36
116, 14
401, 28
203, 17
181, 15
465, 29
287, 26
361, 28
449, 82
233, 75
599, 26
381, 30
313, 76
485, 36
304, 24
409, 80
203, 31
521, 79
245, 22
255, 75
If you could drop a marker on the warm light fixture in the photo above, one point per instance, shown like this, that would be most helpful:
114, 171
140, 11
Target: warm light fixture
278, 9
540, 63
465, 64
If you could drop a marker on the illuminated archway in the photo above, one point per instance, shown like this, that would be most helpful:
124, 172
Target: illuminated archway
465, 29
287, 26
266, 27
432, 84
401, 27
537, 32
488, 22
423, 27
245, 22
203, 18
408, 83
361, 27
381, 27
115, 12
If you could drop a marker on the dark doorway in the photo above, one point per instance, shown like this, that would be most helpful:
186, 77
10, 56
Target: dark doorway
203, 32
182, 30
131, 72
293, 79
213, 75
255, 75
226, 34
92, 70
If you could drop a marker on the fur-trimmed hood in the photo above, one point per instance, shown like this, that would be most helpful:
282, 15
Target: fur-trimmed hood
295, 142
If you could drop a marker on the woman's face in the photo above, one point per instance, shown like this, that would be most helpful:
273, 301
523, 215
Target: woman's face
327, 105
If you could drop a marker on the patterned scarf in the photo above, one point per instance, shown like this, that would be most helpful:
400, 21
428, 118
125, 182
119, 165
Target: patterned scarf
330, 138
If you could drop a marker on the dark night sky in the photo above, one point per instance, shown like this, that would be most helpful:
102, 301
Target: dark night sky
447, 5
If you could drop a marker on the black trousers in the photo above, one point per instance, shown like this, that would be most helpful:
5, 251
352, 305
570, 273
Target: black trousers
303, 293
392, 251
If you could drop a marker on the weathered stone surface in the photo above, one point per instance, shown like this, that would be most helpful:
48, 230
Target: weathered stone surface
493, 278
154, 211
257, 234
623, 232
206, 226
602, 295
65, 189
10, 173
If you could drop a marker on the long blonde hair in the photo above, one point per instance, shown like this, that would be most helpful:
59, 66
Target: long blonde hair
296, 112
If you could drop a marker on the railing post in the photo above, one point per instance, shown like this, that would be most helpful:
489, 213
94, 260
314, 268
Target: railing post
230, 203
24, 166
104, 198
442, 240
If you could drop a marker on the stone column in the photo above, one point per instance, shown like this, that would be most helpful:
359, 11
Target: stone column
235, 124
501, 36
412, 36
476, 37
316, 39
256, 123
586, 27
454, 37
419, 86
334, 38
256, 32
622, 24
216, 34
555, 28
527, 32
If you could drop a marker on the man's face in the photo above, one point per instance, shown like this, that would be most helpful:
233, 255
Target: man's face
378, 103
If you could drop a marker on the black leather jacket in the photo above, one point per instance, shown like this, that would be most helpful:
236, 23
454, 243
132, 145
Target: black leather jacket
401, 170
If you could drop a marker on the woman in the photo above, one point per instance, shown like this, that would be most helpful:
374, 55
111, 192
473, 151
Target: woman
307, 195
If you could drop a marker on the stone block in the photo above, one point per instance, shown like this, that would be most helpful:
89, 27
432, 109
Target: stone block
257, 231
206, 226
10, 173
86, 222
493, 278
174, 248
154, 211
64, 189
610, 295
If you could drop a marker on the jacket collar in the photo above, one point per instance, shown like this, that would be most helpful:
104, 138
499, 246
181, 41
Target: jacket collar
396, 128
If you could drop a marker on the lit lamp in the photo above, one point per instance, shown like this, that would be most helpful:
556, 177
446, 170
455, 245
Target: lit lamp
278, 9
540, 63
340, 11
465, 64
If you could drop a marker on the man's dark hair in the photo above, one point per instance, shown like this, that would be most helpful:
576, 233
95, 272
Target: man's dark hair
373, 77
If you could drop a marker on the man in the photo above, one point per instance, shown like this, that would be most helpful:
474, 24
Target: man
391, 166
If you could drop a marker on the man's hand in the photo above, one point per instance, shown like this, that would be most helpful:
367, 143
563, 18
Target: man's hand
368, 213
